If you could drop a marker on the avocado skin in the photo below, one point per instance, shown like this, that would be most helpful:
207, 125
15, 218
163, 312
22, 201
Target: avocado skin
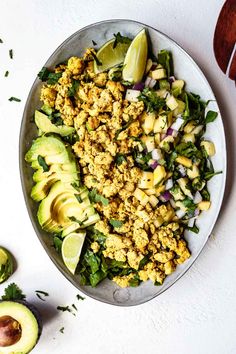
36, 315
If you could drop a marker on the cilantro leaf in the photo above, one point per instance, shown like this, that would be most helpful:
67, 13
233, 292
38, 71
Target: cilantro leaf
14, 99
194, 228
53, 78
151, 100
119, 159
43, 74
57, 242
42, 163
6, 73
1, 41
211, 116
165, 59
39, 294
120, 39
210, 174
95, 197
94, 43
13, 292
11, 53
78, 197
62, 329
79, 297
73, 89
116, 223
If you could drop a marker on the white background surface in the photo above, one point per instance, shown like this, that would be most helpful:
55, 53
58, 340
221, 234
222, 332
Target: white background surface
198, 314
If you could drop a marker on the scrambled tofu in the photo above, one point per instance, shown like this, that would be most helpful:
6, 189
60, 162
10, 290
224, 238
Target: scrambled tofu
147, 239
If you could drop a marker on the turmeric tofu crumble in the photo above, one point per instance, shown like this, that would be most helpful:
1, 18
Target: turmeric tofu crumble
140, 167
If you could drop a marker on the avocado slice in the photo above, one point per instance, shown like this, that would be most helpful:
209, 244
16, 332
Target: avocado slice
68, 168
51, 148
46, 126
20, 327
6, 264
41, 189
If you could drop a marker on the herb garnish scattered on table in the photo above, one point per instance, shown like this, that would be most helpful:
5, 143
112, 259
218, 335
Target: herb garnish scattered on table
13, 292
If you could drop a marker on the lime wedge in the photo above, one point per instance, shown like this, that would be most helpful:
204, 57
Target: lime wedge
6, 264
71, 249
136, 58
108, 57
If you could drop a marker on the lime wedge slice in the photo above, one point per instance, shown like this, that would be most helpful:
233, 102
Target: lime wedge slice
136, 58
109, 57
6, 264
71, 249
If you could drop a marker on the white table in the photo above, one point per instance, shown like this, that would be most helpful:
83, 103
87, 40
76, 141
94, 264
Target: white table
198, 314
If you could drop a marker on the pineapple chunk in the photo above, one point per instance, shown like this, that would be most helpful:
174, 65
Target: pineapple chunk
172, 103
143, 215
189, 137
162, 123
177, 84
184, 161
150, 143
150, 191
149, 119
158, 175
204, 205
197, 130
193, 172
153, 201
189, 127
158, 221
159, 190
158, 74
142, 197
209, 147
146, 181
148, 65
179, 109
183, 185
157, 138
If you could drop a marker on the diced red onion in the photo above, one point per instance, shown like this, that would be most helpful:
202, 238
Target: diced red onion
171, 79
169, 183
147, 81
178, 123
156, 154
180, 213
169, 131
139, 86
191, 222
197, 198
132, 95
182, 170
196, 212
154, 164
165, 197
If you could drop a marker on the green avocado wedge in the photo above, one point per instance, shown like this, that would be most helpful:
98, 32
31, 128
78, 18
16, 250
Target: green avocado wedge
46, 126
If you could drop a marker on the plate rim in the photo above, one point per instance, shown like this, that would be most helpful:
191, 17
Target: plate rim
22, 161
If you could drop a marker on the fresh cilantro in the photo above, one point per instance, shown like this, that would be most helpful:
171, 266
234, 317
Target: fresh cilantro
211, 116
209, 175
193, 228
11, 53
157, 283
73, 89
205, 194
62, 329
194, 108
95, 197
39, 294
74, 307
57, 242
78, 197
116, 223
13, 292
53, 78
1, 41
98, 62
42, 163
79, 297
188, 150
135, 281
144, 261
142, 158
94, 43
165, 59
43, 74
120, 39
72, 218
151, 100
171, 160
14, 99
6, 73
64, 308
119, 159
189, 204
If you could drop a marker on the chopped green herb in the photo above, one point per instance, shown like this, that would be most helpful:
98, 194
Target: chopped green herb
73, 305
42, 163
151, 100
194, 228
123, 128
78, 197
1, 41
116, 223
135, 281
99, 63
6, 73
57, 242
14, 99
94, 43
211, 116
72, 218
53, 78
165, 59
79, 297
205, 194
120, 158
13, 292
43, 74
11, 53
120, 39
64, 308
209, 175
74, 87
76, 186
62, 329
39, 294
95, 197
157, 283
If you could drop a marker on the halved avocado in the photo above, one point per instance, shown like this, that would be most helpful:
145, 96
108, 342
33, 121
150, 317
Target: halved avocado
20, 327
46, 126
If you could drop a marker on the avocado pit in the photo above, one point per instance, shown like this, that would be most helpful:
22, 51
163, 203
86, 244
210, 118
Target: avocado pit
10, 331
